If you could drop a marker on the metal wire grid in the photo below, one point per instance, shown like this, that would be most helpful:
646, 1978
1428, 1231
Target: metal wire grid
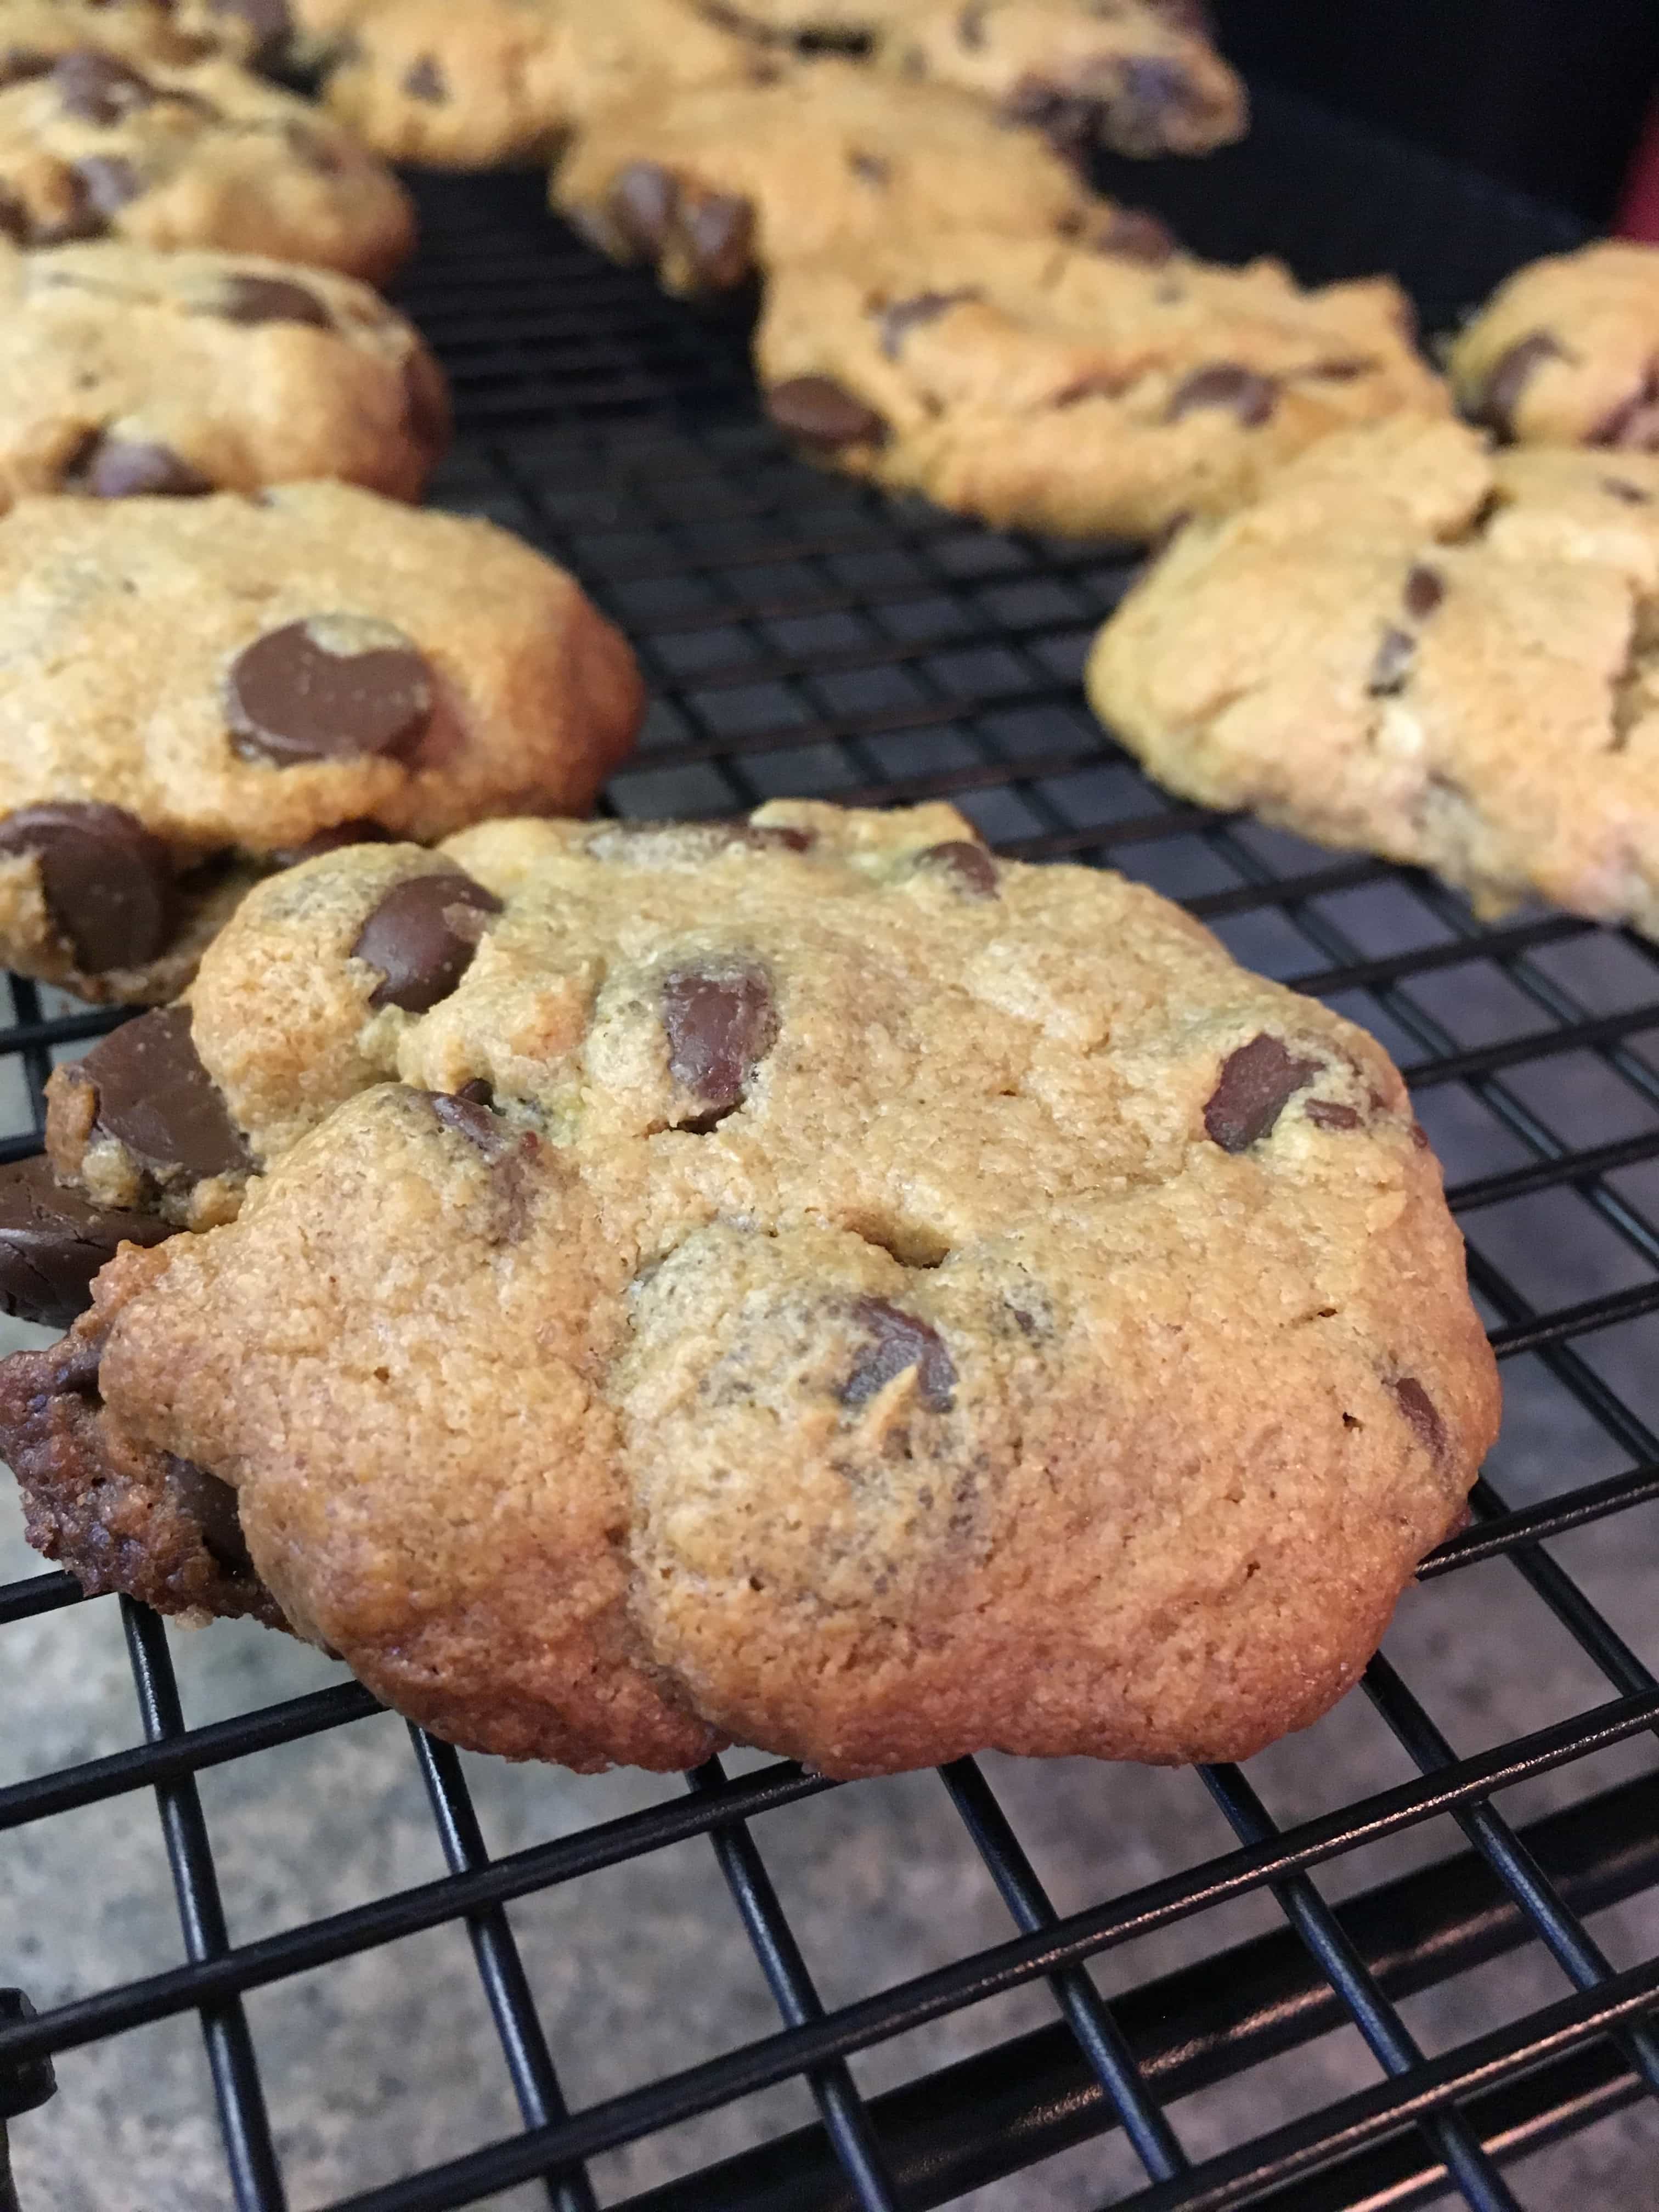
802, 636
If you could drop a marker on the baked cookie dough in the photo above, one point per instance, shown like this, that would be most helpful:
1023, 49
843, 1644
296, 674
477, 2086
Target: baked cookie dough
124, 370
94, 145
1100, 386
196, 690
1409, 644
713, 184
807, 1282
1566, 352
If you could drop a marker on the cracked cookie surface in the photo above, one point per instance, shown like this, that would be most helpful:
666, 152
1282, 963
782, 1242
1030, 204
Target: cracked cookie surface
808, 1282
1566, 352
1412, 645
1104, 387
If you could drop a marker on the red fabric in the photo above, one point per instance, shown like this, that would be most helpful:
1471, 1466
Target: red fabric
1638, 212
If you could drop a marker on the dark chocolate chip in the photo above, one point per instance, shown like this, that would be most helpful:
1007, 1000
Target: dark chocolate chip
893, 323
719, 1026
97, 87
421, 937
718, 233
20, 64
1508, 377
477, 1092
426, 402
897, 1340
106, 882
16, 221
823, 414
213, 1505
1339, 372
109, 183
1396, 653
1131, 234
642, 202
870, 166
1634, 424
1252, 397
1425, 588
331, 687
424, 80
1419, 1410
129, 468
270, 300
771, 836
333, 840
971, 26
158, 1100
268, 19
1069, 123
970, 867
77, 218
1257, 1083
471, 1117
1632, 495
1151, 92
1326, 1113
54, 1242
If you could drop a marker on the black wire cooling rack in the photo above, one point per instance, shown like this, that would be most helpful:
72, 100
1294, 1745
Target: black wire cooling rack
803, 636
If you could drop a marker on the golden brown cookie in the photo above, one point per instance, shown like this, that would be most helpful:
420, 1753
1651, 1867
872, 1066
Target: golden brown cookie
807, 1282
1103, 386
198, 689
1566, 352
1408, 644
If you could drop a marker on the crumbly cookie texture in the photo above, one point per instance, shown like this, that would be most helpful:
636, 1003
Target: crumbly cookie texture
199, 688
1566, 352
124, 370
508, 80
141, 30
93, 144
807, 1282
1100, 386
714, 183
1412, 645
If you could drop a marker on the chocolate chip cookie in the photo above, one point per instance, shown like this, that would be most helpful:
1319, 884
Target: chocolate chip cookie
808, 1282
1411, 645
93, 145
199, 688
1100, 386
505, 80
124, 370
1567, 351
714, 183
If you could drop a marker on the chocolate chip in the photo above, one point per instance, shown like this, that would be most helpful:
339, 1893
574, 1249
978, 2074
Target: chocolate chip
971, 26
1226, 384
97, 87
1152, 91
54, 1242
1339, 372
893, 323
719, 1026
1131, 234
270, 300
1632, 495
471, 1117
1419, 1410
1425, 588
333, 687
333, 840
1396, 653
130, 468
75, 218
870, 166
1634, 424
268, 19
897, 1341
642, 202
1326, 1113
774, 837
1508, 377
154, 1096
477, 1092
20, 64
425, 80
970, 867
213, 1505
106, 882
109, 183
426, 402
1257, 1082
823, 414
421, 937
1068, 122
718, 233
16, 221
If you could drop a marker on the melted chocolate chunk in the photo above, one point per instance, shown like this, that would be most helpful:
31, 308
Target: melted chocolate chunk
424, 80
642, 203
1257, 1083
894, 323
16, 221
896, 1341
96, 88
1634, 424
1393, 664
331, 688
719, 1026
969, 868
1425, 588
333, 840
870, 166
421, 937
268, 19
106, 882
156, 1097
1326, 1113
271, 299
718, 234
1508, 377
108, 183
213, 1505
1632, 495
470, 1116
823, 414
21, 64
1419, 1410
123, 468
971, 27
1152, 91
54, 1242
1131, 234
1226, 384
